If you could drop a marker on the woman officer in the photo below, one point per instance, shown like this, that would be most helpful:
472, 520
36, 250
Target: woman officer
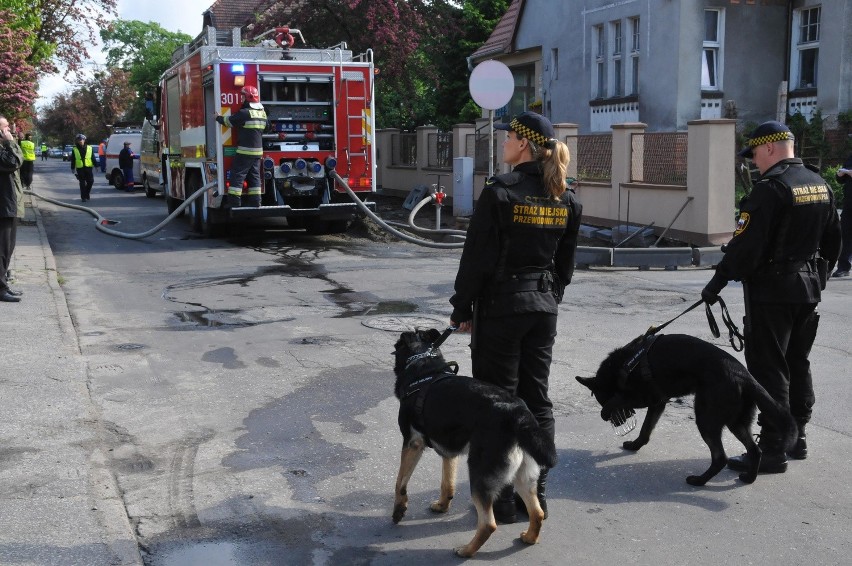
517, 259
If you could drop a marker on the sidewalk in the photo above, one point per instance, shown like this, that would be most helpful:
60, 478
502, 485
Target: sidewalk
59, 503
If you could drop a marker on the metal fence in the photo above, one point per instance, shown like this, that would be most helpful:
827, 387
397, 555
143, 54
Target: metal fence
404, 149
476, 146
440, 150
659, 158
592, 155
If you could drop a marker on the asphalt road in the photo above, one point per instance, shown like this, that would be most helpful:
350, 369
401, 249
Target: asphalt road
246, 386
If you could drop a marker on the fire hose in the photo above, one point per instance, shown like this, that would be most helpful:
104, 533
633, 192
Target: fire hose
103, 224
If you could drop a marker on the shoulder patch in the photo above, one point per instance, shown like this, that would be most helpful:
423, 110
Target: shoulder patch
742, 223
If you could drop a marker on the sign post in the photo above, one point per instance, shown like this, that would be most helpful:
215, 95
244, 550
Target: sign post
491, 86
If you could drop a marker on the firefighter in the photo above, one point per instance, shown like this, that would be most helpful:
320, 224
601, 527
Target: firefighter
251, 122
102, 155
81, 166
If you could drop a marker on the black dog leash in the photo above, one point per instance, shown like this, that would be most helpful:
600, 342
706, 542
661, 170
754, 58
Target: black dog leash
654, 329
734, 336
442, 338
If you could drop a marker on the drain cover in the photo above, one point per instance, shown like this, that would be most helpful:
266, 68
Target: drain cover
402, 323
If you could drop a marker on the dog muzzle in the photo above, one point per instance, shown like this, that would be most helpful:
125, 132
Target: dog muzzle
623, 421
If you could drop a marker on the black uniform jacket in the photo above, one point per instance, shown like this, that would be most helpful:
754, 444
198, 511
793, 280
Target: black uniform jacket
788, 217
517, 232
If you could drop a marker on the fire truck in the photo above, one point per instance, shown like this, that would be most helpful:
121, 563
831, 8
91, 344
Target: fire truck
320, 108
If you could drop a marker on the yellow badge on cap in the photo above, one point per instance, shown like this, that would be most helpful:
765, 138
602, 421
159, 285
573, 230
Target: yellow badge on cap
742, 223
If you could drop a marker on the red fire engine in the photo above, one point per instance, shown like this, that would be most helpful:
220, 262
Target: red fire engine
320, 107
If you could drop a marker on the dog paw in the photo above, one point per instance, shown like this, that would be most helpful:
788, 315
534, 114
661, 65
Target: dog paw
747, 477
696, 480
632, 445
439, 507
528, 538
464, 552
398, 513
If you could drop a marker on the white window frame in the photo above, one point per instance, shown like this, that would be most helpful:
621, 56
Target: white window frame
616, 78
805, 38
716, 48
631, 81
599, 78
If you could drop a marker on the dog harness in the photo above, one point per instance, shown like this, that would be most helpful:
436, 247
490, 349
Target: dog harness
416, 392
639, 358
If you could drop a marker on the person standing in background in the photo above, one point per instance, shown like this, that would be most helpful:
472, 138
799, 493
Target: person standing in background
29, 151
844, 263
125, 163
102, 155
81, 166
44, 150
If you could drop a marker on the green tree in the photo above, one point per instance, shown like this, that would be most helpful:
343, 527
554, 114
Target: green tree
143, 50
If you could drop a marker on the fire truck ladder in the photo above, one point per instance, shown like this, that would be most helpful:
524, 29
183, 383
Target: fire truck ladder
355, 96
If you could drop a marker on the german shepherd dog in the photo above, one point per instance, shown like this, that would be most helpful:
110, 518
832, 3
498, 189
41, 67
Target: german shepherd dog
455, 414
676, 365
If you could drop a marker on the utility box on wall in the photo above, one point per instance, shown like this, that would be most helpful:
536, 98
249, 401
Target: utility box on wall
462, 186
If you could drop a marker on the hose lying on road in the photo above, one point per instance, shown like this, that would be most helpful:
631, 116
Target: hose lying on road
101, 222
391, 229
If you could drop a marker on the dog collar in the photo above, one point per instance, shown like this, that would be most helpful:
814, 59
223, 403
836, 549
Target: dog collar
430, 353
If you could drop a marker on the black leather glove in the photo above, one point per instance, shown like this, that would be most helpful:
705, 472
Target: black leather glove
710, 297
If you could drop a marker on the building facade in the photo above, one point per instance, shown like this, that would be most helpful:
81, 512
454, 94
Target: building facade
664, 63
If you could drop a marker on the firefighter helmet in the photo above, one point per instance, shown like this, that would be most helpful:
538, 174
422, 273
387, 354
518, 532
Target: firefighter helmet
250, 93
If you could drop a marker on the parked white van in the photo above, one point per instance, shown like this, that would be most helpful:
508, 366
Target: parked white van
115, 144
150, 160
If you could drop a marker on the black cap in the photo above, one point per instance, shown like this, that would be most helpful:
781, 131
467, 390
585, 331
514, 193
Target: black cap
767, 132
126, 143
532, 126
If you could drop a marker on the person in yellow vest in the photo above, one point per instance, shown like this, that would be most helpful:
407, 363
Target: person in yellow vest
43, 151
81, 165
28, 149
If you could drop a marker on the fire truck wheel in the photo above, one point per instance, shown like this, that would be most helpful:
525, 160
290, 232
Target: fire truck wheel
150, 192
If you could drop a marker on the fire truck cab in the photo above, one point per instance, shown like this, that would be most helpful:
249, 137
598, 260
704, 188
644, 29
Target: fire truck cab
320, 108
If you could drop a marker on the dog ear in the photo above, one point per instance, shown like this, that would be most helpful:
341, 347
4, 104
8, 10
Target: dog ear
432, 335
587, 381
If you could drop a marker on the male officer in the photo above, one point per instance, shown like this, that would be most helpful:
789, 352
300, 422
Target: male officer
81, 165
786, 241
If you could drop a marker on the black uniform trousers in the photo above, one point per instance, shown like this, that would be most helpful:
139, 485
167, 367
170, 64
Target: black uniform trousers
87, 179
778, 341
514, 353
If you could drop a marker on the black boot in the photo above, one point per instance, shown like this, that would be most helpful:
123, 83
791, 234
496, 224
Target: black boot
541, 487
799, 451
773, 459
251, 200
504, 506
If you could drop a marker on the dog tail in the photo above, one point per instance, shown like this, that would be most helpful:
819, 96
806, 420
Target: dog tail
537, 443
779, 417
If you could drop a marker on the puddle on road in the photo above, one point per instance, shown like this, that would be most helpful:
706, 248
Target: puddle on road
207, 553
351, 303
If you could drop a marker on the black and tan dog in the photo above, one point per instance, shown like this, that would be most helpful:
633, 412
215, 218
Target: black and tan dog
651, 370
455, 414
